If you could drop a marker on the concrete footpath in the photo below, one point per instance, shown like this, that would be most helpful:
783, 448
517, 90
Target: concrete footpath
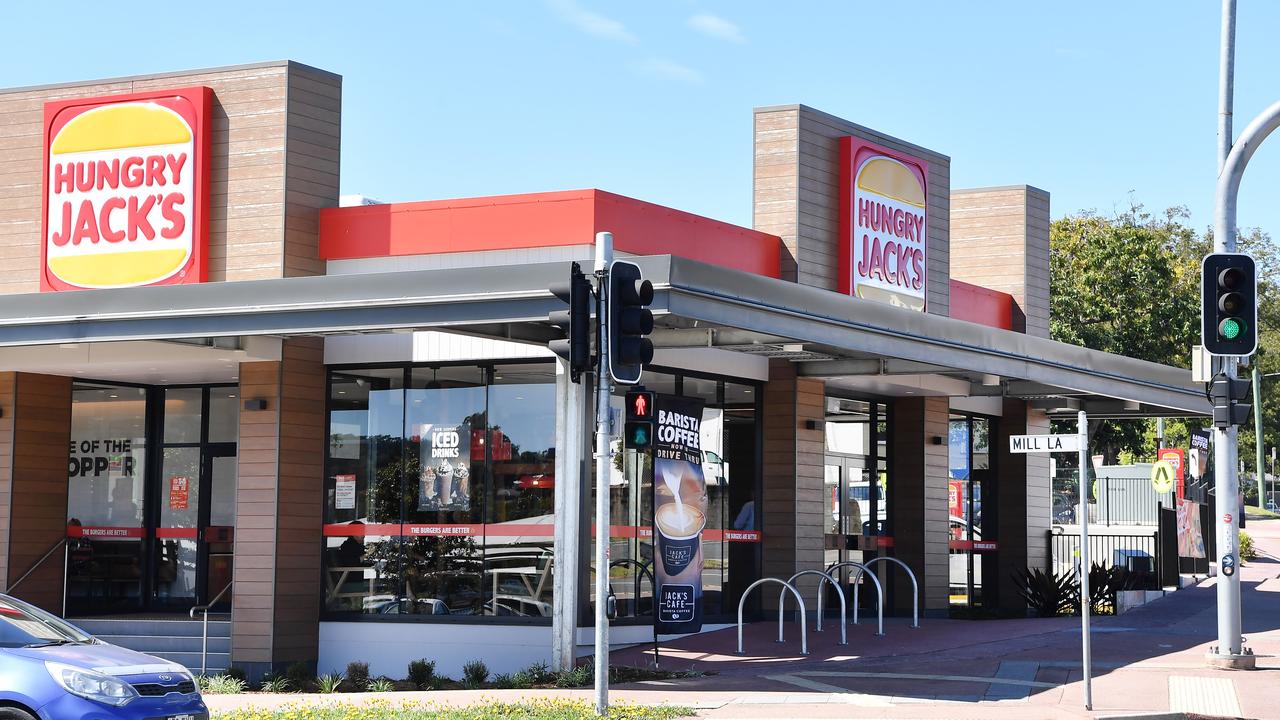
1150, 660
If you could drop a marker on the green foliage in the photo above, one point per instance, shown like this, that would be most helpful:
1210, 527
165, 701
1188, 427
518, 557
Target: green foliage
238, 673
358, 674
580, 676
1247, 549
299, 675
474, 674
1048, 595
422, 672
380, 685
220, 685
275, 684
329, 684
1130, 284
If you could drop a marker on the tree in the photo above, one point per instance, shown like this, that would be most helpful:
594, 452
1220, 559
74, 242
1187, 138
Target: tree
1118, 285
1130, 284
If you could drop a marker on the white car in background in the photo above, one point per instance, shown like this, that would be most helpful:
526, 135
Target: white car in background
714, 469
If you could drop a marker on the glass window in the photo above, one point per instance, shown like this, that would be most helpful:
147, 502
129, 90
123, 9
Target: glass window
224, 414
107, 468
363, 492
444, 486
182, 408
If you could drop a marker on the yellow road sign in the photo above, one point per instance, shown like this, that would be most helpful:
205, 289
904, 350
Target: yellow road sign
1162, 474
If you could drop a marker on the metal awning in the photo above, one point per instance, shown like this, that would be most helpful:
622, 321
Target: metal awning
698, 305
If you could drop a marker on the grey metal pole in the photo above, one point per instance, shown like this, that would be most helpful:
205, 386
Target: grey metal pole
1226, 80
1230, 651
1258, 469
604, 390
568, 508
1086, 650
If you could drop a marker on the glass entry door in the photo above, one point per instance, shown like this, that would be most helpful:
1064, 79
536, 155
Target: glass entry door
193, 539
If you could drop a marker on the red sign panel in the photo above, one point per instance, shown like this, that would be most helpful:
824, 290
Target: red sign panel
179, 492
126, 190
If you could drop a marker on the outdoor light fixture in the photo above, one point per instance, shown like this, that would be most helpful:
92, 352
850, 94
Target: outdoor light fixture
255, 404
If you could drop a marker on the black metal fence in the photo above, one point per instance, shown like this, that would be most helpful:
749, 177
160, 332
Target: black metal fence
1135, 553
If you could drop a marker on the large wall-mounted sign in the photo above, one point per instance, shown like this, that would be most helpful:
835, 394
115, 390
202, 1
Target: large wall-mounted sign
884, 221
126, 190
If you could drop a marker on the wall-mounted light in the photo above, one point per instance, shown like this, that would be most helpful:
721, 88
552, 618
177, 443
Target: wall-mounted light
937, 439
255, 404
812, 425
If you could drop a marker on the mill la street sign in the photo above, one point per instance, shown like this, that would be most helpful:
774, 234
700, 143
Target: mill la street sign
1044, 443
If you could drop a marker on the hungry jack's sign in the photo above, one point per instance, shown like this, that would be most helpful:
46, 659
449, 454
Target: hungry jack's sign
126, 190
884, 221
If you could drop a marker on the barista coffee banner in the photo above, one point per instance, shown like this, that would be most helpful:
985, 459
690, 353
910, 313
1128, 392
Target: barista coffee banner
679, 513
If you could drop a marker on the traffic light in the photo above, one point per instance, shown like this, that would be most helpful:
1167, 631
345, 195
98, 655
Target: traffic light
629, 322
576, 322
1230, 400
638, 433
1229, 308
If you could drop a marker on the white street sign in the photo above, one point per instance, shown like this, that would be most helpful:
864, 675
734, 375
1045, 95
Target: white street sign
1044, 443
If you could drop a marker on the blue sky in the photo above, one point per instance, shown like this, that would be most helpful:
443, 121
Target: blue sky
1092, 101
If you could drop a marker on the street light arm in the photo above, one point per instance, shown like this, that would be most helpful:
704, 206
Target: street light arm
1224, 226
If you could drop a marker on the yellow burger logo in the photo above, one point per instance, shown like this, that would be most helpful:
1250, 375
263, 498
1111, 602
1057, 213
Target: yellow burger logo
887, 219
121, 194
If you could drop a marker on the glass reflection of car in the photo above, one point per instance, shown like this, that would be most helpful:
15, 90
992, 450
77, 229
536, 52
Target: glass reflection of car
714, 469
406, 606
52, 670
511, 605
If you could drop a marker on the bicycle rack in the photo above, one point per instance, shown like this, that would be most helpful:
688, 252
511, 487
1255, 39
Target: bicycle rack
879, 590
804, 622
844, 614
915, 588
646, 572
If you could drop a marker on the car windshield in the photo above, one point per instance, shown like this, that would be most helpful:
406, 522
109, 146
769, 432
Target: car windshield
22, 625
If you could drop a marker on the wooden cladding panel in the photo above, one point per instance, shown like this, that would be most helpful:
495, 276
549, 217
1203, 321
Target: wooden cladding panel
920, 486
256, 561
797, 195
276, 132
39, 416
1001, 236
8, 386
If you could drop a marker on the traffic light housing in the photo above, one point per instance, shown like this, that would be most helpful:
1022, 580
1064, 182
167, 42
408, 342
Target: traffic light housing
1229, 307
575, 322
1230, 397
630, 321
638, 433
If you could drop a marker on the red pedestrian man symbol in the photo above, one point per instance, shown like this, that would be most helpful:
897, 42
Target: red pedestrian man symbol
641, 406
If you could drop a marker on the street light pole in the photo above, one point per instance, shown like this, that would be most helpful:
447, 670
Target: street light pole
1230, 651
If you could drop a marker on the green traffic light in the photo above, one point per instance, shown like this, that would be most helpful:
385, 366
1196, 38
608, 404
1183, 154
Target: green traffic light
1231, 328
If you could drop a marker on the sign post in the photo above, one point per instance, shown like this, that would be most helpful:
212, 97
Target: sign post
1078, 443
603, 458
1082, 427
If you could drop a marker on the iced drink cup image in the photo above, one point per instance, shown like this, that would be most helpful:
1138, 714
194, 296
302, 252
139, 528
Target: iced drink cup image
444, 471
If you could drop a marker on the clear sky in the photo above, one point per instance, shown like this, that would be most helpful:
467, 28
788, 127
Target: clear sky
1095, 102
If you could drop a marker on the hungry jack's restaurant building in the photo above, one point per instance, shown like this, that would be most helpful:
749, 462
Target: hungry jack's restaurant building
220, 387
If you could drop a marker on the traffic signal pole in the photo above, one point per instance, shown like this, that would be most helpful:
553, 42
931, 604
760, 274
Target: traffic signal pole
603, 457
1233, 158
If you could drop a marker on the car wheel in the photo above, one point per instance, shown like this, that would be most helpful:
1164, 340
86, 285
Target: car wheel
13, 713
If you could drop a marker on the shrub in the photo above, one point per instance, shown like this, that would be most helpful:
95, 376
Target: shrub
299, 675
580, 676
474, 674
421, 672
358, 674
239, 674
539, 674
1247, 550
380, 685
220, 685
1048, 595
503, 681
329, 683
275, 684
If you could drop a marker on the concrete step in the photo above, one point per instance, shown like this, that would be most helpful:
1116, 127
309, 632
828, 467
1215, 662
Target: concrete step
161, 643
162, 628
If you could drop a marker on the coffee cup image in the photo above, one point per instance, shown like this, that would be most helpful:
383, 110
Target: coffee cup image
680, 530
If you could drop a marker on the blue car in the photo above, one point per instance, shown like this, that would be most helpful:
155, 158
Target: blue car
52, 670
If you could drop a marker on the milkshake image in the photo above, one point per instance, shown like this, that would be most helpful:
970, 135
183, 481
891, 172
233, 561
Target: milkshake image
462, 475
444, 471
